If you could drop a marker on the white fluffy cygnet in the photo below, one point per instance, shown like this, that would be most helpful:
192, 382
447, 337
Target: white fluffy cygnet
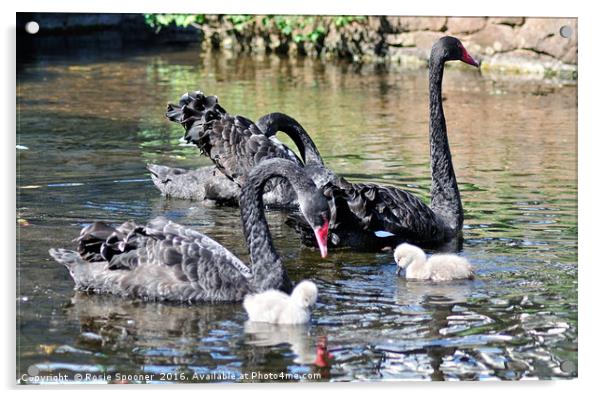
438, 268
274, 306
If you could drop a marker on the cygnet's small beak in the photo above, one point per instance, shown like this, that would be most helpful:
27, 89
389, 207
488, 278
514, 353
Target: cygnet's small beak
398, 272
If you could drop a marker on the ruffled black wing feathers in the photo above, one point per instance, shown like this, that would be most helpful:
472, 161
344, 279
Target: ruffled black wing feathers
101, 242
190, 255
234, 143
390, 209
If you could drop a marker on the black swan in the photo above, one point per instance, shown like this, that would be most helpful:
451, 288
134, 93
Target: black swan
212, 186
166, 261
370, 216
234, 143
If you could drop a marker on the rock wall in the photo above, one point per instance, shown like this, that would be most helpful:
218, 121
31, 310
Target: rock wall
489, 36
503, 44
506, 45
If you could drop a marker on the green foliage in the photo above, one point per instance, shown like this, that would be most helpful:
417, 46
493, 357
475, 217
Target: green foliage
298, 28
157, 21
344, 20
239, 21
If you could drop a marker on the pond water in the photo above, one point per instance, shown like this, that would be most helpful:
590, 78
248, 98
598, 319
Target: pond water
92, 121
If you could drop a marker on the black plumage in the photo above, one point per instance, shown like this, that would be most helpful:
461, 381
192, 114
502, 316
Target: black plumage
208, 183
234, 143
163, 260
370, 216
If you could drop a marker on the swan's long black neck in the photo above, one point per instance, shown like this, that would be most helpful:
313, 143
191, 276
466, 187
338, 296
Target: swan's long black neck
268, 272
272, 123
445, 195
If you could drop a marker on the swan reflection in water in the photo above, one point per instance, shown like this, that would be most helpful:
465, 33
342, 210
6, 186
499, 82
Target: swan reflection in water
447, 303
187, 336
142, 321
308, 349
439, 294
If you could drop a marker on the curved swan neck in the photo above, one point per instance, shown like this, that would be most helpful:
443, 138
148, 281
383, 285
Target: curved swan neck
445, 195
272, 123
268, 272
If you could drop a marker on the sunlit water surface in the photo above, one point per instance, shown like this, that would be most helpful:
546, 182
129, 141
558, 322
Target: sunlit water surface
91, 125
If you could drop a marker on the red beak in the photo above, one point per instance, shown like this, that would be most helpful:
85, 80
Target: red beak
322, 238
468, 59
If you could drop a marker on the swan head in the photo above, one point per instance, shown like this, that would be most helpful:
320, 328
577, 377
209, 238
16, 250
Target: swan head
405, 254
316, 210
448, 48
305, 294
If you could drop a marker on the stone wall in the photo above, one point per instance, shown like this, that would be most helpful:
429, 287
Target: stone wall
503, 44
506, 45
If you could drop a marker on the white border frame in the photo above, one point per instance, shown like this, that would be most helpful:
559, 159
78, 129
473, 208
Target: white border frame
589, 26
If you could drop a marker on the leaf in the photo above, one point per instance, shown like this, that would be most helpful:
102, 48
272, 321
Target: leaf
163, 19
